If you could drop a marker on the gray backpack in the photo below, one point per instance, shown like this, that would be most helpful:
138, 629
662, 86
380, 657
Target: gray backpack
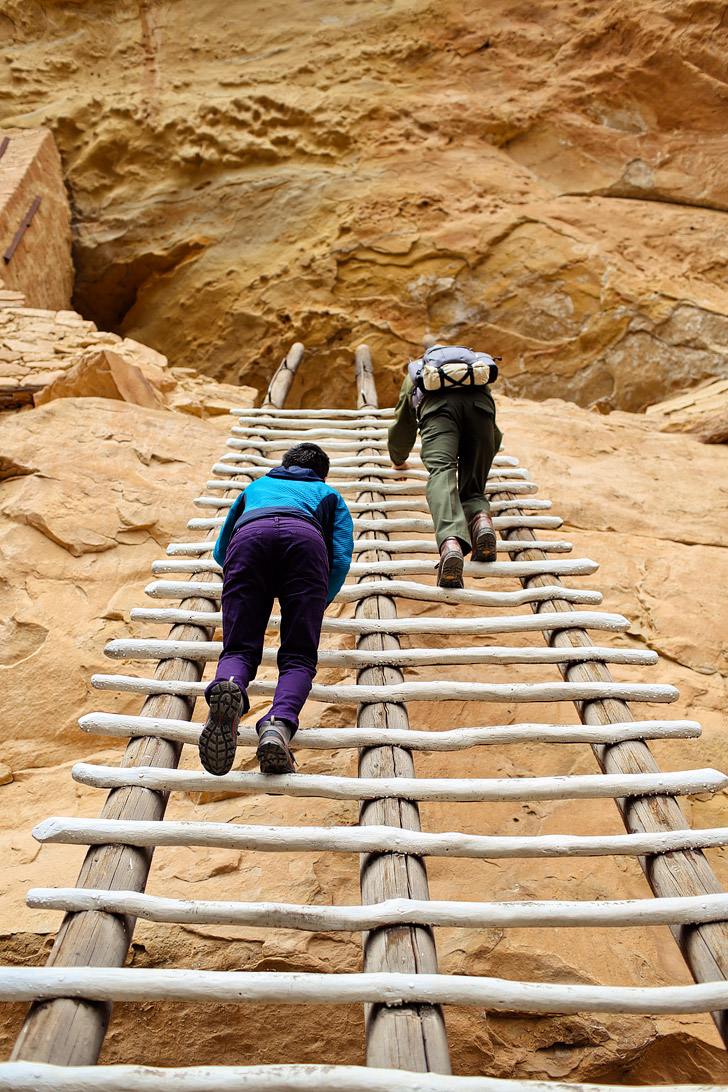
445, 367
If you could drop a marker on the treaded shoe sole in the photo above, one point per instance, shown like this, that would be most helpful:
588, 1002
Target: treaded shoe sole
450, 574
273, 756
484, 547
219, 737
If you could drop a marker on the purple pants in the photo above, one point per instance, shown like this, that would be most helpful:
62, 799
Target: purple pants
277, 557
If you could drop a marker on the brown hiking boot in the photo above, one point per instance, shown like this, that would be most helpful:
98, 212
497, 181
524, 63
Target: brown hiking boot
219, 736
482, 536
274, 754
450, 569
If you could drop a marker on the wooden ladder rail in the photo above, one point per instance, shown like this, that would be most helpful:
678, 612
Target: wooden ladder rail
71, 1032
412, 1036
704, 947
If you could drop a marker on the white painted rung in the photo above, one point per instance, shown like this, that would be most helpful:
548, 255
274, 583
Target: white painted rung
250, 423
517, 623
558, 914
258, 466
414, 505
209, 651
121, 725
362, 486
369, 839
362, 433
40, 1077
441, 690
424, 546
365, 461
463, 790
578, 566
283, 411
282, 444
501, 523
402, 589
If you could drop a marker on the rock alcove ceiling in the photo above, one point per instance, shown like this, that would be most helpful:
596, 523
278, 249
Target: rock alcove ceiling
546, 183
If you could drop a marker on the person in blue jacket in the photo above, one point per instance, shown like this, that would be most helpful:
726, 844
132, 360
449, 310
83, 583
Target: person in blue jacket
287, 536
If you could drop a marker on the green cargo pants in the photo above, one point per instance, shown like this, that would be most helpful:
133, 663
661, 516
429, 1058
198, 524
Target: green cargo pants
459, 441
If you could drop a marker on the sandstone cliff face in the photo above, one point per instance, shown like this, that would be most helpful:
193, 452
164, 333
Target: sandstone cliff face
545, 181
104, 486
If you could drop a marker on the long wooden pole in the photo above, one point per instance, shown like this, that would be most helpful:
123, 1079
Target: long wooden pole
686, 872
410, 1036
71, 1032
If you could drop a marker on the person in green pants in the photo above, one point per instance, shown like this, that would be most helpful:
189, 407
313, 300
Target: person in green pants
460, 438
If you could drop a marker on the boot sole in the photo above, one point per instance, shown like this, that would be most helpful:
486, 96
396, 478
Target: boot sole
219, 737
451, 572
273, 758
485, 548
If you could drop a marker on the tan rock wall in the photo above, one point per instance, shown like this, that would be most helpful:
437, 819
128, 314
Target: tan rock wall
104, 485
544, 182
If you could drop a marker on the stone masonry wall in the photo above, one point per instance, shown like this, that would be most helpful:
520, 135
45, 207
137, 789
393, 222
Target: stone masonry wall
41, 266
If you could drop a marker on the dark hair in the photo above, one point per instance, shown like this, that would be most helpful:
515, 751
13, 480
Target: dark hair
309, 456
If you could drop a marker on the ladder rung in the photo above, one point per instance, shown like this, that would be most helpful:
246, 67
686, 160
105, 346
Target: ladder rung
425, 546
516, 623
209, 651
554, 913
402, 589
456, 739
441, 690
383, 987
578, 566
368, 839
456, 790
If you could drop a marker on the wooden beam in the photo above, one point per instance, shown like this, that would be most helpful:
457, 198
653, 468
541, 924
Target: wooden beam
412, 1036
687, 873
71, 1032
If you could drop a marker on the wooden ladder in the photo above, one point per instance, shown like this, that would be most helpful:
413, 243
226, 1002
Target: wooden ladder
400, 986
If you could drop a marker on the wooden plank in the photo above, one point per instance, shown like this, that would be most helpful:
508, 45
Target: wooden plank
704, 947
412, 1036
70, 1032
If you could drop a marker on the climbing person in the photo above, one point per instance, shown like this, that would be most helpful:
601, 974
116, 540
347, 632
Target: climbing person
446, 395
288, 535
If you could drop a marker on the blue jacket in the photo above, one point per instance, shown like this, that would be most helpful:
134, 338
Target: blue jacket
296, 491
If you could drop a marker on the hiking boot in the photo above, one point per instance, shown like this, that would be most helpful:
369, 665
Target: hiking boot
450, 569
219, 737
273, 752
482, 536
